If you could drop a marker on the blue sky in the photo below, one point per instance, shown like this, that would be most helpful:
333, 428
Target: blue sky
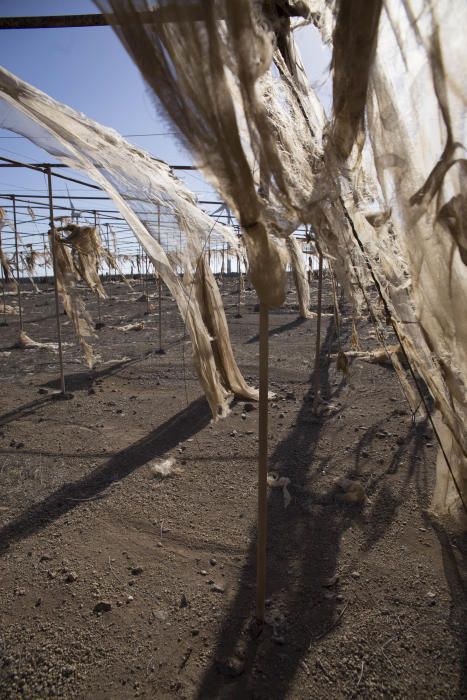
88, 69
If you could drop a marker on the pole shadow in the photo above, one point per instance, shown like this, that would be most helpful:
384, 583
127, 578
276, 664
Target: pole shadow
280, 329
178, 428
454, 552
304, 545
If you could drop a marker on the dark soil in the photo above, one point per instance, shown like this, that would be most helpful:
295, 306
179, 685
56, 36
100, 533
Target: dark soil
115, 583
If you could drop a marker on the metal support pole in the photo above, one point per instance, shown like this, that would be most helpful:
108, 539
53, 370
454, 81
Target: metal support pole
161, 351
45, 260
108, 261
4, 322
20, 306
54, 266
261, 554
99, 323
239, 298
141, 268
147, 285
318, 332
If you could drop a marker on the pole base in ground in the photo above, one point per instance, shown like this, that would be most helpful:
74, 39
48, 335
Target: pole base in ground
99, 325
255, 627
63, 396
238, 316
161, 351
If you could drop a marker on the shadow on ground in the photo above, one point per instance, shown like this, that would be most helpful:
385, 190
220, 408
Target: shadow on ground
454, 552
280, 329
180, 427
303, 554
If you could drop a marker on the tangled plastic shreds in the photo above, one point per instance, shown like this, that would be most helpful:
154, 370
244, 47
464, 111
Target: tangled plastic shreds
382, 182
139, 185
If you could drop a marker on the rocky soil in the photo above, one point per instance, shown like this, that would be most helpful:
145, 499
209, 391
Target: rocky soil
119, 582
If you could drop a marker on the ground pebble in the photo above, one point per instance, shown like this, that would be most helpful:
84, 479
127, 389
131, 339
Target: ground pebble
102, 606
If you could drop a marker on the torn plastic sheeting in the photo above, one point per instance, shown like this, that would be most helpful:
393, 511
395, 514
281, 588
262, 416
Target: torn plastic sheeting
280, 482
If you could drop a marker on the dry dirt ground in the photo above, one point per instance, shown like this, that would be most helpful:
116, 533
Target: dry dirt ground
115, 583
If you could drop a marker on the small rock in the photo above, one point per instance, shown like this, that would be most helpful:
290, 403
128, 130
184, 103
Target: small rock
129, 598
330, 582
213, 561
42, 390
217, 589
248, 407
70, 577
243, 416
102, 606
349, 491
137, 570
355, 574
68, 670
232, 668
160, 615
183, 601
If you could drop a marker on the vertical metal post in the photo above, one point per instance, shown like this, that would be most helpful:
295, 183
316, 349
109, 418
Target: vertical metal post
160, 281
147, 284
239, 299
318, 331
54, 266
4, 322
141, 266
45, 259
20, 306
97, 294
261, 554
108, 260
